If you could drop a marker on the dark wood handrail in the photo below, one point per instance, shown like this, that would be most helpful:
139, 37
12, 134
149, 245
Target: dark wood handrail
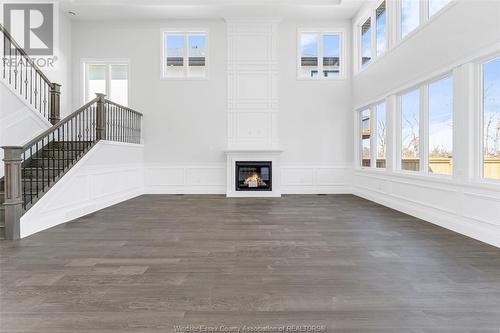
25, 55
58, 125
124, 107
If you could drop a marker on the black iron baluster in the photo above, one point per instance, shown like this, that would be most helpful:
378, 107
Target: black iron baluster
10, 62
31, 178
15, 70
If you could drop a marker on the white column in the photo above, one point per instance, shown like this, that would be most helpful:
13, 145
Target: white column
466, 150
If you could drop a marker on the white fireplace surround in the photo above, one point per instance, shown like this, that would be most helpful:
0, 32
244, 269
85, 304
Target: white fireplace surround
246, 155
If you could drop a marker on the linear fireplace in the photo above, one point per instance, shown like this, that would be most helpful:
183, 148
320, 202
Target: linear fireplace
253, 176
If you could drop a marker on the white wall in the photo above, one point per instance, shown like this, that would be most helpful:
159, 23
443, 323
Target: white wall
185, 121
464, 31
63, 73
314, 115
109, 173
19, 122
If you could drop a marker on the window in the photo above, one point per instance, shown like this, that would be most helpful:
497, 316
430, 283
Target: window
109, 78
320, 55
441, 127
491, 119
410, 131
365, 138
381, 135
410, 16
366, 44
436, 5
184, 54
381, 26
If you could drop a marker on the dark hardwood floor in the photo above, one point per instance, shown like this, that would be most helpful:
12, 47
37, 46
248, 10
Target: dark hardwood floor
158, 261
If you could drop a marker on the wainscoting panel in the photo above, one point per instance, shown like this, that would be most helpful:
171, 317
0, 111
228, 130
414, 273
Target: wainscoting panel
211, 179
185, 179
474, 212
315, 179
95, 182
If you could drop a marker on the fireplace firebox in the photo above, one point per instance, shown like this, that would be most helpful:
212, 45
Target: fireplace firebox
254, 176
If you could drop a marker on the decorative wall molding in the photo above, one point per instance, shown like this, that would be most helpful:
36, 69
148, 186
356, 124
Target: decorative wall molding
108, 174
24, 102
253, 103
463, 208
315, 179
211, 179
185, 179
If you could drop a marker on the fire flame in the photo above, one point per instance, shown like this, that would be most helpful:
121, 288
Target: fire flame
255, 180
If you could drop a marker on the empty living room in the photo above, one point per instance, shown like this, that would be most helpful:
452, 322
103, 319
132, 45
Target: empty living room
231, 166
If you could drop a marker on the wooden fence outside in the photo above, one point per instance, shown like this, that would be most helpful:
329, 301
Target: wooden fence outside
443, 165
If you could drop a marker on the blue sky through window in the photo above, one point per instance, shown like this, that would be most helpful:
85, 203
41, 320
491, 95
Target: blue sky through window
366, 37
381, 131
410, 120
410, 16
309, 45
175, 41
491, 107
196, 42
441, 118
331, 46
381, 33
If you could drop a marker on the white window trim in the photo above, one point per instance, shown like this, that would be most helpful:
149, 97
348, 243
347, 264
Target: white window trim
322, 31
107, 62
473, 177
360, 53
393, 23
423, 151
185, 32
373, 136
479, 123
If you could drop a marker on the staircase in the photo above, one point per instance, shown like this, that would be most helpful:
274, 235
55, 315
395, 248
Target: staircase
32, 170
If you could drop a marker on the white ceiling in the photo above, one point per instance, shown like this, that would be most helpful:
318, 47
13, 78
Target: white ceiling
190, 9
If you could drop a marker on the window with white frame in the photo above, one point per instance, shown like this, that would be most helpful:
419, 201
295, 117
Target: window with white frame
426, 128
320, 55
436, 5
366, 43
373, 135
440, 126
409, 16
107, 77
365, 126
410, 130
185, 54
381, 133
491, 119
381, 28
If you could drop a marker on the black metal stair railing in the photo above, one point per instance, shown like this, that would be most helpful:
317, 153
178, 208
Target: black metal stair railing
21, 73
31, 170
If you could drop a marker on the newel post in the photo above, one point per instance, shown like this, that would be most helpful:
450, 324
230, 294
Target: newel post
101, 117
13, 191
55, 103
